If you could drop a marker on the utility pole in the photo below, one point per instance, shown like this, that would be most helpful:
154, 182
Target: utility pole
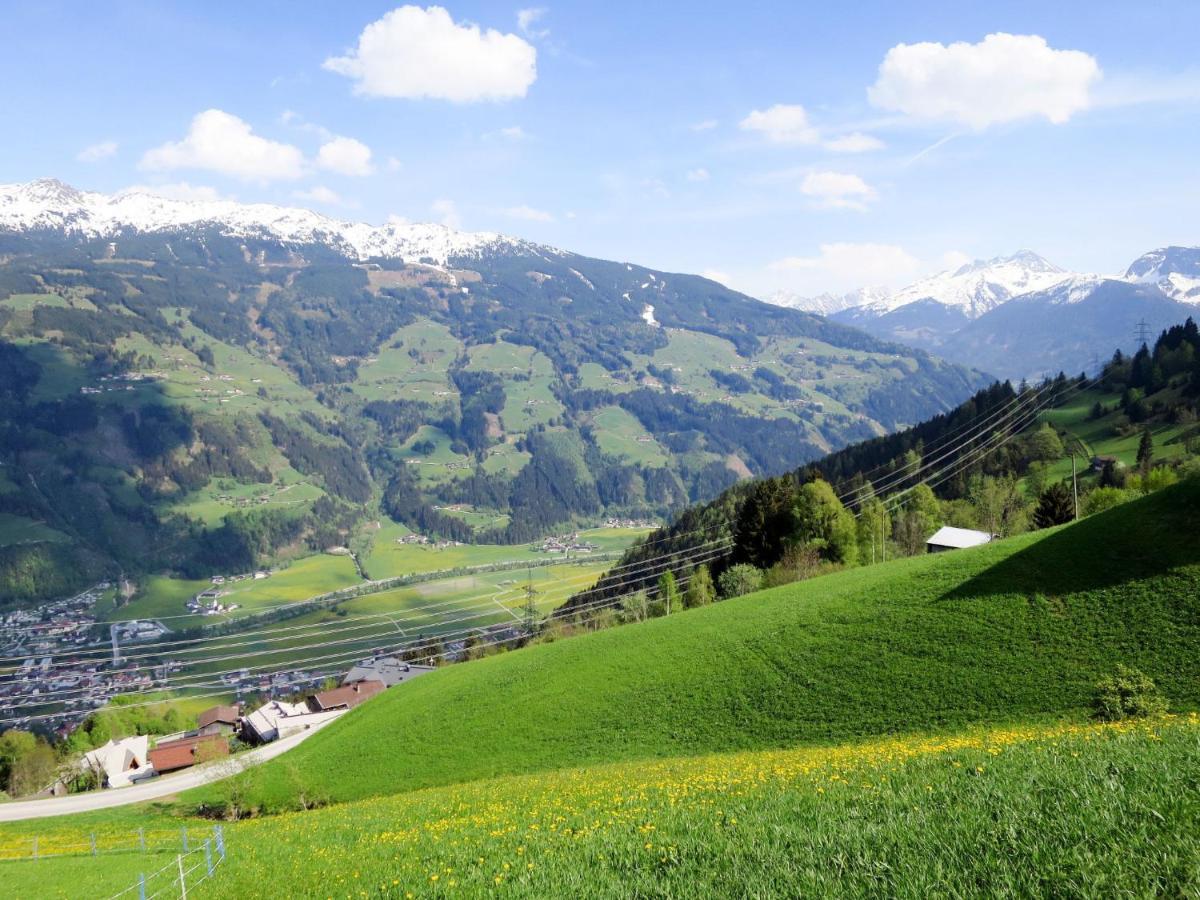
1143, 333
530, 607
1074, 484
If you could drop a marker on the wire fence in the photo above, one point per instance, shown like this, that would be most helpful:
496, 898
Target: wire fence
189, 868
95, 843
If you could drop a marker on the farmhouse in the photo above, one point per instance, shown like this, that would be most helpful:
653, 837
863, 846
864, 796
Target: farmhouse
171, 756
120, 763
217, 720
948, 538
279, 719
346, 697
388, 669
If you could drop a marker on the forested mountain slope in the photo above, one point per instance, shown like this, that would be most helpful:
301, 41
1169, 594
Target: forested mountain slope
193, 386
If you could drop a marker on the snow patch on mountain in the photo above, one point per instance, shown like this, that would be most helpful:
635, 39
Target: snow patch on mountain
828, 304
50, 204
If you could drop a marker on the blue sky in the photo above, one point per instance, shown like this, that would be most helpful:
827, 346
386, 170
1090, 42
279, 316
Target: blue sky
793, 146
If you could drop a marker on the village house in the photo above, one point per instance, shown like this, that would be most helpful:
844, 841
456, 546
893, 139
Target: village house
120, 763
217, 720
279, 719
346, 697
388, 669
948, 538
171, 756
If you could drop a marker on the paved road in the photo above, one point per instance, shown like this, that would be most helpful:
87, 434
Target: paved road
153, 789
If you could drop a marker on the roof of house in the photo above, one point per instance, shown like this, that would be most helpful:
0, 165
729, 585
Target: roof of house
164, 759
225, 714
347, 695
946, 536
120, 756
388, 669
179, 754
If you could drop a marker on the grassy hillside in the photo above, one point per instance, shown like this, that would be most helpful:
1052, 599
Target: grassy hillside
1101, 810
1014, 630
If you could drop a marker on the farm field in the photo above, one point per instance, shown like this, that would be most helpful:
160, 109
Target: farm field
389, 559
303, 578
20, 530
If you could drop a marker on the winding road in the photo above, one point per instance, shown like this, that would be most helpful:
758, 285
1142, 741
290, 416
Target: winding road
155, 788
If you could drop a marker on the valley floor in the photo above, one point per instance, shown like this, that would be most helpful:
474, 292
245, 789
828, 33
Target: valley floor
1065, 808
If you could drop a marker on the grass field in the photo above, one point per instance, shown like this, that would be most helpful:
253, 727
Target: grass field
1097, 436
1018, 629
1057, 809
301, 579
20, 530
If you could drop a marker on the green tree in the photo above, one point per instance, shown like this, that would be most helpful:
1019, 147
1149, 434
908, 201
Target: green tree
764, 522
13, 746
873, 528
1055, 507
1145, 453
1045, 444
822, 522
700, 591
33, 770
738, 580
668, 593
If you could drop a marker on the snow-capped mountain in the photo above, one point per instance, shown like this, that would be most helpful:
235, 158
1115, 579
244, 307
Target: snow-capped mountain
50, 204
980, 286
828, 304
1174, 270
1021, 315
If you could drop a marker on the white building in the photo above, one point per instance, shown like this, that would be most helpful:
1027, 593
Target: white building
120, 763
278, 719
947, 538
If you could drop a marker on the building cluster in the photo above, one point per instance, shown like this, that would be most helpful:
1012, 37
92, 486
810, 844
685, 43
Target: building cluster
565, 543
119, 763
423, 540
616, 522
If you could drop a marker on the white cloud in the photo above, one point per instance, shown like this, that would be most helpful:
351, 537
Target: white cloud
837, 190
180, 190
220, 142
528, 214
97, 152
513, 134
845, 266
716, 275
321, 194
781, 124
700, 174
706, 125
394, 164
345, 156
422, 53
1003, 78
447, 213
655, 186
398, 221
527, 18
856, 142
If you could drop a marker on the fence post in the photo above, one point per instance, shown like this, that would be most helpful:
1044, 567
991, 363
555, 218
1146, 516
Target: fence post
182, 878
208, 855
141, 886
93, 843
142, 839
219, 833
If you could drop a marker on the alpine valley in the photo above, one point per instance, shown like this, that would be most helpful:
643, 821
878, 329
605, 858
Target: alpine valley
1021, 316
193, 387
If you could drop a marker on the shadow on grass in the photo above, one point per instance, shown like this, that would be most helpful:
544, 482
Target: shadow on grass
1137, 540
